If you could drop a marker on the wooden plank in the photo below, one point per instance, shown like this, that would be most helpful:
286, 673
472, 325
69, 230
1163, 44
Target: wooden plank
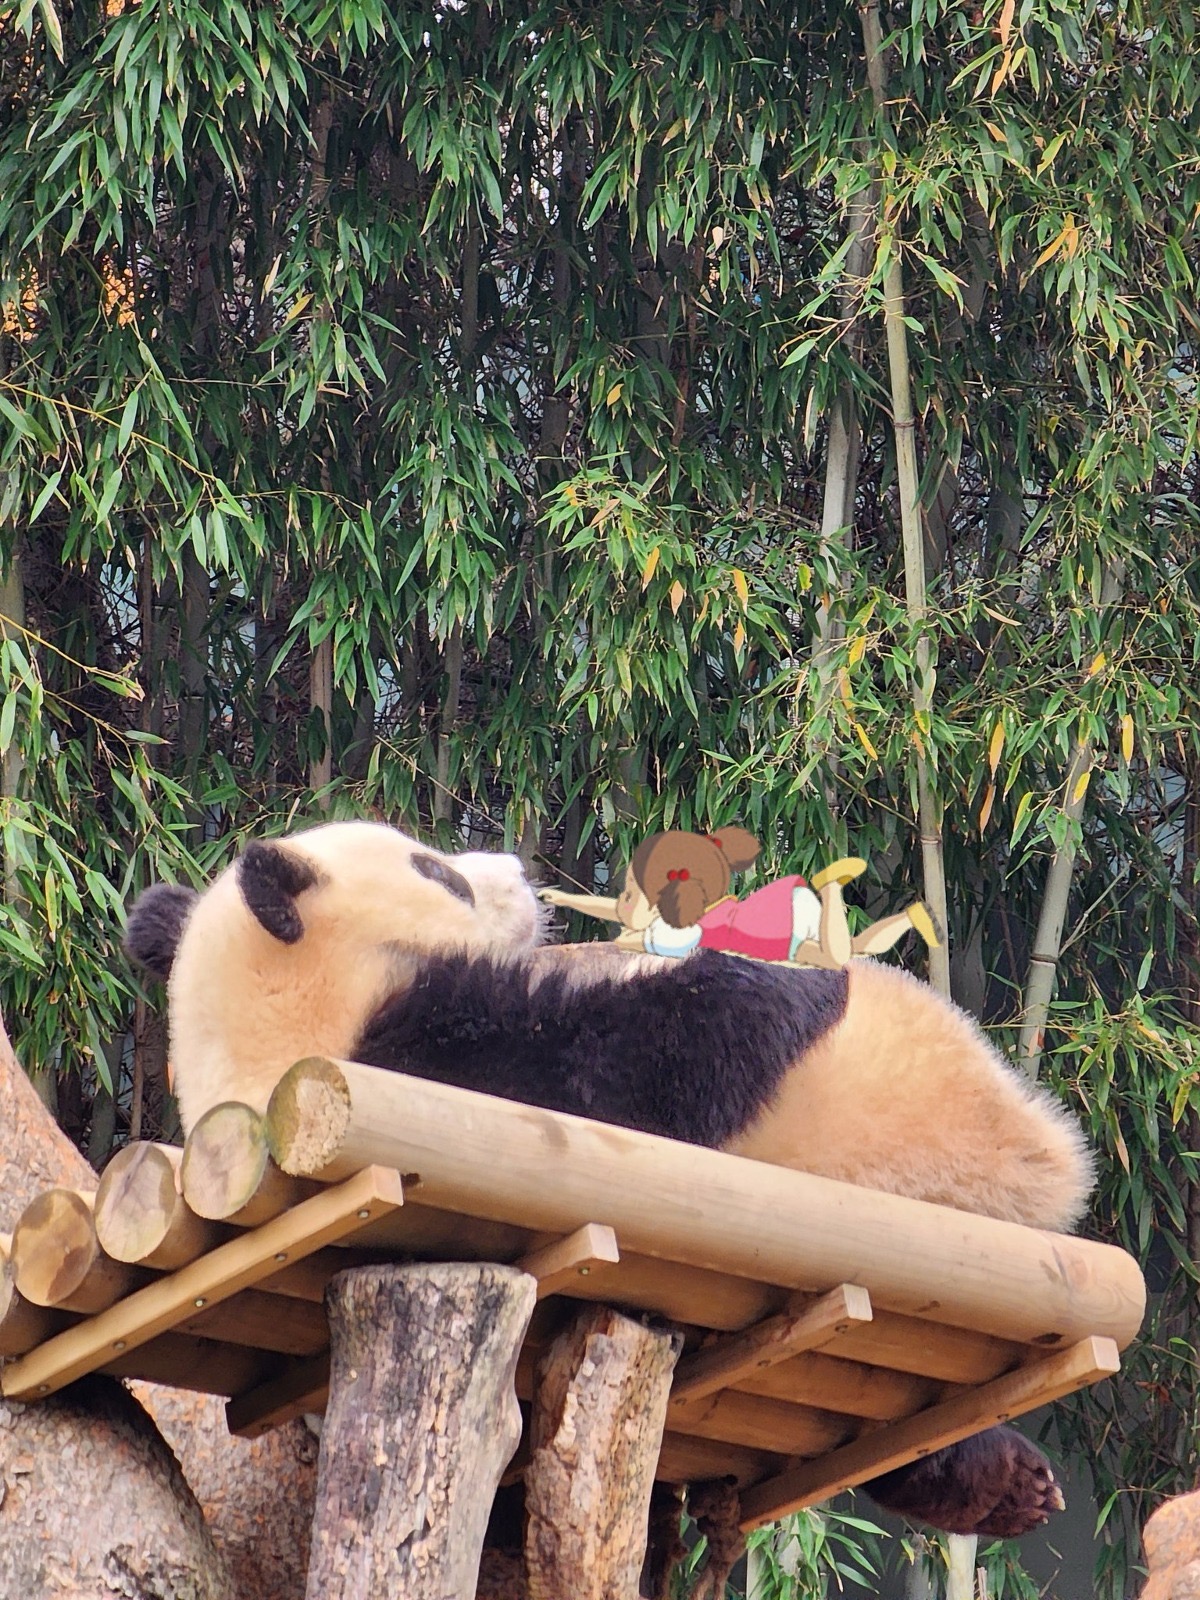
306, 1279
813, 1323
244, 1261
691, 1460
954, 1419
184, 1361
559, 1265
263, 1322
303, 1386
514, 1163
681, 1293
872, 1393
927, 1350
760, 1424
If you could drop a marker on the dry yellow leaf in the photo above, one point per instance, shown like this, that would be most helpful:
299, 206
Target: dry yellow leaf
985, 810
857, 650
1081, 784
994, 751
865, 742
844, 688
739, 637
651, 567
997, 133
1004, 26
614, 394
1127, 738
1098, 661
1001, 72
742, 587
1066, 232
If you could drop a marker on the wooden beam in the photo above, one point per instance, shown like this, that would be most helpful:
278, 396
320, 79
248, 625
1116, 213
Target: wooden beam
761, 1424
920, 1435
927, 1349
244, 1261
263, 1322
559, 1266
227, 1174
499, 1159
304, 1386
185, 1361
856, 1390
687, 1459
141, 1215
721, 1365
57, 1259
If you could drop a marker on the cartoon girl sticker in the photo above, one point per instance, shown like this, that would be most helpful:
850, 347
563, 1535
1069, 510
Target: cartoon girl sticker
676, 899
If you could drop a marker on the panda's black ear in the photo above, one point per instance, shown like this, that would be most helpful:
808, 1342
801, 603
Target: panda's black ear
270, 877
154, 926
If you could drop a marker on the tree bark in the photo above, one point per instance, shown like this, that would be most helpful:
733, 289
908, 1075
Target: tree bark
598, 1416
88, 1488
421, 1422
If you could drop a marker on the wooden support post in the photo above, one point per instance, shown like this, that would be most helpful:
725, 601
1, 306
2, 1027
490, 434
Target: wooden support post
596, 1432
227, 1173
421, 1422
141, 1214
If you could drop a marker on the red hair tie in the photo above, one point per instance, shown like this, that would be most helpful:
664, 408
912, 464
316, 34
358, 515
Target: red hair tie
681, 876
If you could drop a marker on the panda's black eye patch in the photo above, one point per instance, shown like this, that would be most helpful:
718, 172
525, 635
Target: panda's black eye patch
433, 867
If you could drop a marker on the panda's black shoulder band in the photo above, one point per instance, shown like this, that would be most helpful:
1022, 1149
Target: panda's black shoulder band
270, 877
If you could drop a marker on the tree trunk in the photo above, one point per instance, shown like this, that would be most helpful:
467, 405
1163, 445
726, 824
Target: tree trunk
599, 1410
85, 1483
421, 1422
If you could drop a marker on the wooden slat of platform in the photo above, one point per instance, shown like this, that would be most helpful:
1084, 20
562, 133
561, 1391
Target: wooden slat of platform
334, 1213
958, 1418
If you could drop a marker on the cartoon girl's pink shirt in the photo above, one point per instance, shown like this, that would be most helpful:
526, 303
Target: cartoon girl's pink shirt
761, 925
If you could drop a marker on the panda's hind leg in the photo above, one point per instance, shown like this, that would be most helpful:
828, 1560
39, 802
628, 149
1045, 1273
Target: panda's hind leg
997, 1484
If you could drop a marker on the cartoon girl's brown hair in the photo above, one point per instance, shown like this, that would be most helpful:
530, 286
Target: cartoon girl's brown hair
682, 874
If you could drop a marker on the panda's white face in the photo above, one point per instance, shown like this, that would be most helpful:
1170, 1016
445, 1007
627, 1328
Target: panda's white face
290, 950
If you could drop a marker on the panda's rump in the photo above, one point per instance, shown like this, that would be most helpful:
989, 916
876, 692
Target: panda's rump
907, 1095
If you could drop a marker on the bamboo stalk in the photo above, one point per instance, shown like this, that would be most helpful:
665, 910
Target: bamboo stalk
1047, 940
904, 422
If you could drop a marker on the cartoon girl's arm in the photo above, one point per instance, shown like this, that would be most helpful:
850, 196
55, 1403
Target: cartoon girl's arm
591, 905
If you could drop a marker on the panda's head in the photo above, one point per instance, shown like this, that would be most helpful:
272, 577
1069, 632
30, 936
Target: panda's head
345, 884
291, 949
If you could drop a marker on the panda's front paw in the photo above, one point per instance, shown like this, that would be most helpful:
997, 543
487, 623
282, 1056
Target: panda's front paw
997, 1484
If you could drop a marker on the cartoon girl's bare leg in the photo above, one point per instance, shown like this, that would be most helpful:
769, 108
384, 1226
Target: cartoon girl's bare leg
882, 935
820, 932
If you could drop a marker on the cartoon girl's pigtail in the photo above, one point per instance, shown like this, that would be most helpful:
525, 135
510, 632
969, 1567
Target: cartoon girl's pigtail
682, 900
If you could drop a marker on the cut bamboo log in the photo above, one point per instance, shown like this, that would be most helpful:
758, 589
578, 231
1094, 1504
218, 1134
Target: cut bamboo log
722, 1365
421, 1414
559, 1265
227, 1174
141, 1215
161, 1306
955, 1419
22, 1325
500, 1159
57, 1260
596, 1435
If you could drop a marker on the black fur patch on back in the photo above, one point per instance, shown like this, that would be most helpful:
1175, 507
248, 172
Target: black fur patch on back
154, 926
270, 877
694, 1050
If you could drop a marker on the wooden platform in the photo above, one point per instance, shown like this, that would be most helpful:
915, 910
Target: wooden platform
832, 1332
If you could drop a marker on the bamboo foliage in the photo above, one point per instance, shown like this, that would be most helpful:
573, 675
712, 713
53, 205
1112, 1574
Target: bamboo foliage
235, 443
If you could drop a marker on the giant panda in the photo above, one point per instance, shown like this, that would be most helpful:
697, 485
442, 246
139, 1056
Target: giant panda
351, 939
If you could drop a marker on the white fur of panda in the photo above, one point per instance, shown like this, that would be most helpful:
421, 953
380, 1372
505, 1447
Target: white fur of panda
293, 950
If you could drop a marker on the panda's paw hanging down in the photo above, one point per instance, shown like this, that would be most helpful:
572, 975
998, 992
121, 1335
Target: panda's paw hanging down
996, 1484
